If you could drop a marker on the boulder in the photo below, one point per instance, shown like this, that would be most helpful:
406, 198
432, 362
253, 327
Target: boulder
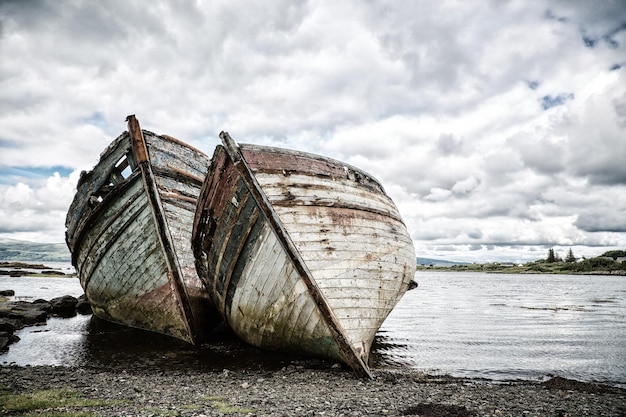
83, 306
15, 315
7, 293
28, 314
6, 339
9, 325
43, 304
64, 306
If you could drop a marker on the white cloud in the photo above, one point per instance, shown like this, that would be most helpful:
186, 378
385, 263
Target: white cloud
497, 127
37, 212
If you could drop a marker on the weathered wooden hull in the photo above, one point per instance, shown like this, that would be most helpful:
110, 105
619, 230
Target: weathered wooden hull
299, 252
129, 231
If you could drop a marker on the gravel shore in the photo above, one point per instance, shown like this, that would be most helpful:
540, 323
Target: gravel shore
303, 391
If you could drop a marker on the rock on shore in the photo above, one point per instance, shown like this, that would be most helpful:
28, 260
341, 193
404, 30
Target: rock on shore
300, 391
15, 315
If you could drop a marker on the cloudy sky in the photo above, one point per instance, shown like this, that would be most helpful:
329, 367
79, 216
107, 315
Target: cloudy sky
498, 127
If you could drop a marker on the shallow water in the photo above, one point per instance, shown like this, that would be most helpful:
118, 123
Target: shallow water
501, 326
463, 324
30, 288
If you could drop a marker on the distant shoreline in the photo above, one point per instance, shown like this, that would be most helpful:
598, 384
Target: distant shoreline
27, 269
513, 270
612, 262
18, 268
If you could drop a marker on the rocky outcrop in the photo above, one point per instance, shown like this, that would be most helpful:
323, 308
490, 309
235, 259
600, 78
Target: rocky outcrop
15, 315
26, 314
63, 306
83, 306
6, 338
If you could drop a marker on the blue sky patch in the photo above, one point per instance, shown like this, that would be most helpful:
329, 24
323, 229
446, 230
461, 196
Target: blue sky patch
6, 143
607, 38
549, 14
96, 119
13, 175
533, 85
589, 42
549, 101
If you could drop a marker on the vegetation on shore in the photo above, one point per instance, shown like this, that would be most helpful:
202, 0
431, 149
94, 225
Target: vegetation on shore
69, 403
609, 263
50, 402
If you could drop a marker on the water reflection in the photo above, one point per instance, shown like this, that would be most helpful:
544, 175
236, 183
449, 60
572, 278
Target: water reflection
59, 342
88, 340
111, 345
385, 350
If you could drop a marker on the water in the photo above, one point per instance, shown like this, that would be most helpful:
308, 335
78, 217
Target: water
499, 326
30, 288
474, 325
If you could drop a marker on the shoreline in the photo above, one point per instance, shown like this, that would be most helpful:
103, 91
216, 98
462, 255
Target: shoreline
304, 391
16, 269
516, 272
304, 388
22, 267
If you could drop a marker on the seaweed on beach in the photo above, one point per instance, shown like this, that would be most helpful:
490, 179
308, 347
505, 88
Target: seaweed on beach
564, 384
437, 410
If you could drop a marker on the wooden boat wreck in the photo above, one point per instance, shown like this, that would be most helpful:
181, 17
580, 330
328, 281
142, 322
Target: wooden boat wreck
129, 232
300, 253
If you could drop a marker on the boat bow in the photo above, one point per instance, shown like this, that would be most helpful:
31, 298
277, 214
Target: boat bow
355, 360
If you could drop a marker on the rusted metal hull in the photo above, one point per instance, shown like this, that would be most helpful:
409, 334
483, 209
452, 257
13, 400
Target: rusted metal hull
129, 230
299, 252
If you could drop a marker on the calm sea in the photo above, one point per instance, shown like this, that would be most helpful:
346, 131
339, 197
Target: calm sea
500, 326
475, 325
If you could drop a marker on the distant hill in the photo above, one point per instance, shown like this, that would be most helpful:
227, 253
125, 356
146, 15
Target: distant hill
23, 251
438, 262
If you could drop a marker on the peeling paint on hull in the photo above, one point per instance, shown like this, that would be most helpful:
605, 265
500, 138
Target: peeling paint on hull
299, 252
129, 229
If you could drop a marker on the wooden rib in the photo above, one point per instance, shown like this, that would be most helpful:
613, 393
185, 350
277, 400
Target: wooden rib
186, 174
181, 143
177, 196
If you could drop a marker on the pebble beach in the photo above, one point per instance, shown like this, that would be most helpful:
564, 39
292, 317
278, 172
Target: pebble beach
300, 390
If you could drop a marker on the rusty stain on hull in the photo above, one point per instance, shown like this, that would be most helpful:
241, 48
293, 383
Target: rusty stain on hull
300, 252
129, 228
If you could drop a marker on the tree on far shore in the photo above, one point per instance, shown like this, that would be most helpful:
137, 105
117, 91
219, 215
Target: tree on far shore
570, 256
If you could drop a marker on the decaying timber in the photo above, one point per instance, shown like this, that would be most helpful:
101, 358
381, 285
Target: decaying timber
299, 252
129, 231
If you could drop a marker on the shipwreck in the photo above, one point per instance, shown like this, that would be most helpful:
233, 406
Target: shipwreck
129, 231
299, 252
